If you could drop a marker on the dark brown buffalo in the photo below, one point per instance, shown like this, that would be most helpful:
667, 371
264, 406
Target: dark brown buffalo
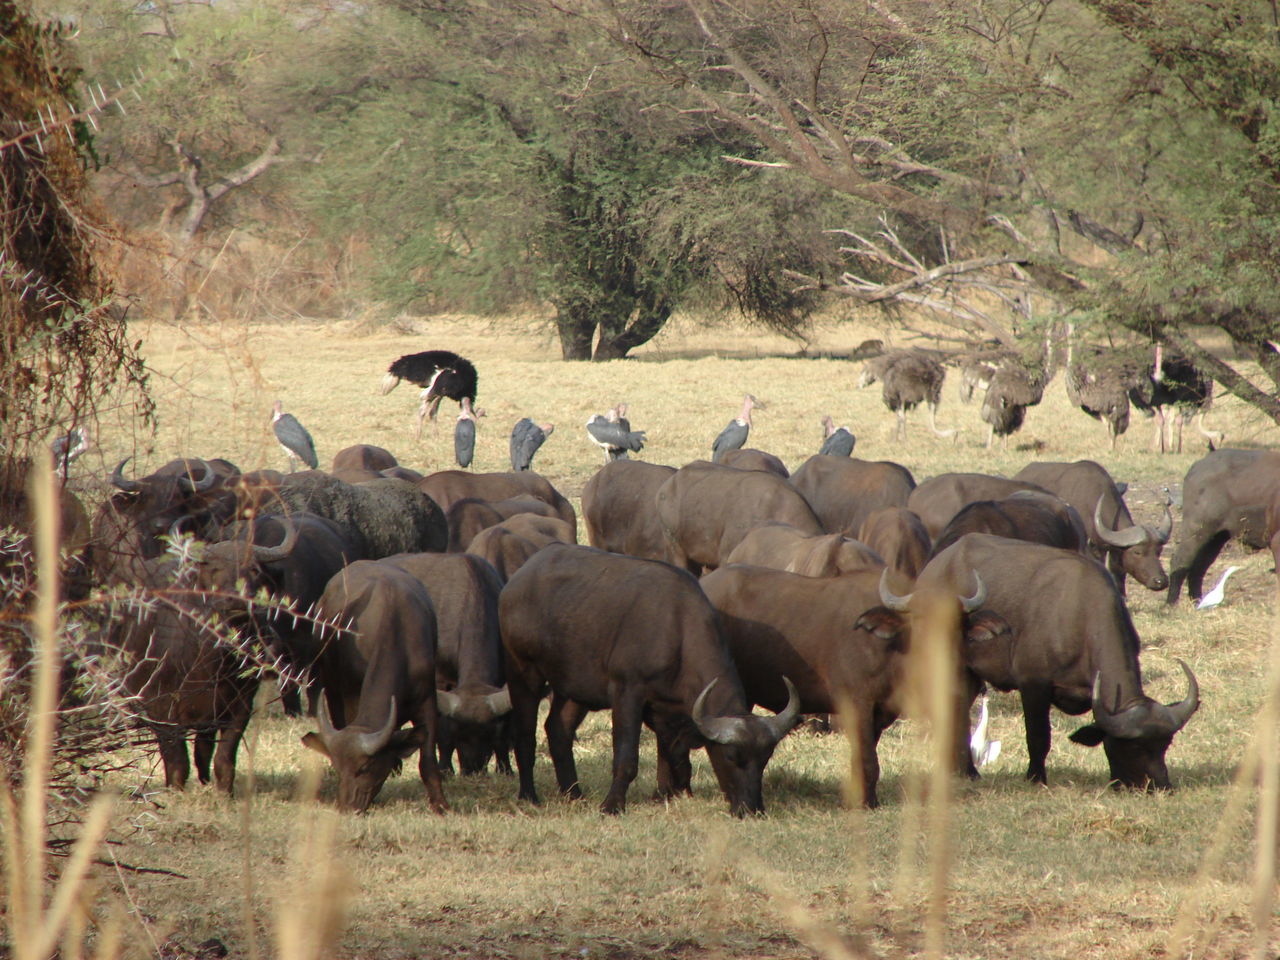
1128, 548
1073, 646
841, 641
782, 547
362, 457
619, 509
74, 528
1026, 515
897, 535
470, 675
706, 509
940, 498
603, 631
508, 546
468, 517
1224, 495
747, 458
844, 491
449, 486
378, 673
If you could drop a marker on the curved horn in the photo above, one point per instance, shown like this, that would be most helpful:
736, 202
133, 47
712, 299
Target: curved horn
1181, 711
280, 550
888, 597
780, 724
499, 703
1165, 530
448, 702
119, 480
371, 743
717, 729
207, 479
970, 604
1121, 539
327, 729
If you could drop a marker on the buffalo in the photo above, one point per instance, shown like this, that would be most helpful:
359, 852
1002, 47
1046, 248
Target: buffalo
1026, 515
747, 458
938, 499
899, 536
619, 509
469, 516
843, 492
783, 547
449, 486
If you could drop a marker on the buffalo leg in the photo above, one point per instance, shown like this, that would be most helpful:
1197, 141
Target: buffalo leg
524, 730
562, 721
675, 771
446, 744
1197, 549
425, 724
202, 747
1203, 561
628, 712
864, 763
172, 742
1035, 716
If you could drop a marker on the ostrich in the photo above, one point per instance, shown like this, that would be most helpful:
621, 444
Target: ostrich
294, 438
441, 373
1174, 381
526, 439
734, 435
1102, 392
975, 374
612, 433
836, 441
1013, 388
464, 434
909, 377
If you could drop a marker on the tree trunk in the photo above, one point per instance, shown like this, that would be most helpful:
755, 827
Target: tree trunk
576, 329
650, 319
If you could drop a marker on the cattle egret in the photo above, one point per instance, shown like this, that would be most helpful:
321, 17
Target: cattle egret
294, 439
440, 373
836, 441
1215, 596
734, 435
984, 751
612, 433
526, 439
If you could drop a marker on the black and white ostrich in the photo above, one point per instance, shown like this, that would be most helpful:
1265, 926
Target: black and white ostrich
836, 441
440, 373
1175, 382
1013, 388
735, 433
527, 438
909, 378
612, 433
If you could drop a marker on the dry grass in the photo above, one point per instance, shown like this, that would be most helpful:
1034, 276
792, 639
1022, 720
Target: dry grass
1074, 870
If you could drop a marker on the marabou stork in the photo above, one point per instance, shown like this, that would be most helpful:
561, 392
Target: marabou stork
612, 433
836, 441
526, 438
67, 447
294, 439
440, 373
464, 434
734, 435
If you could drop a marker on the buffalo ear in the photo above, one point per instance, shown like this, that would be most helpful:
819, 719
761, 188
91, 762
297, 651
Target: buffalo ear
884, 623
1090, 735
405, 743
313, 741
985, 625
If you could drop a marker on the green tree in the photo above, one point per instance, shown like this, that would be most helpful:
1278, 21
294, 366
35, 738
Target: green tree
1028, 160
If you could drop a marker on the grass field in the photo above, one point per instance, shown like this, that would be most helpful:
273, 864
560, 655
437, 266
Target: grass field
1075, 870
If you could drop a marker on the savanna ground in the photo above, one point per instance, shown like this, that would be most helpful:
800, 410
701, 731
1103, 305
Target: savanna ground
1075, 870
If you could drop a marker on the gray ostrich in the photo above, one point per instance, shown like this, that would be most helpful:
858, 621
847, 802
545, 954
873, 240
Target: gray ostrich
909, 378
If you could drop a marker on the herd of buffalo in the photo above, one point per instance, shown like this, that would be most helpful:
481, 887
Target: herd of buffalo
433, 614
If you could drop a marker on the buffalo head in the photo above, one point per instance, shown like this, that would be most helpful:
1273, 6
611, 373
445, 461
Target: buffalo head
1140, 546
362, 757
740, 746
1136, 735
475, 714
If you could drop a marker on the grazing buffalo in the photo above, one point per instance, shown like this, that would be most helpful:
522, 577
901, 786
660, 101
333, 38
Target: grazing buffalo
378, 670
619, 509
607, 632
508, 546
1026, 515
1072, 645
940, 498
843, 641
380, 518
449, 486
470, 675
468, 517
899, 536
843, 492
747, 458
706, 509
782, 547
1129, 549
1224, 495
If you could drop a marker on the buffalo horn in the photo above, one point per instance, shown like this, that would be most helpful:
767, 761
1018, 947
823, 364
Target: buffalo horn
280, 550
1165, 530
119, 480
970, 604
1146, 718
499, 703
888, 597
1181, 711
448, 702
1121, 539
327, 729
718, 729
371, 743
780, 724
207, 479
